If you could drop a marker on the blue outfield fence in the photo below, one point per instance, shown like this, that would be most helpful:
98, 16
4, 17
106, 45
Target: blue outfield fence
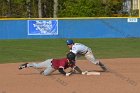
70, 28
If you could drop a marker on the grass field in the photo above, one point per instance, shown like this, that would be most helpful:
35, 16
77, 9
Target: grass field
29, 50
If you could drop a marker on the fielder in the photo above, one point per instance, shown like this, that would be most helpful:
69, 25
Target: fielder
52, 65
80, 49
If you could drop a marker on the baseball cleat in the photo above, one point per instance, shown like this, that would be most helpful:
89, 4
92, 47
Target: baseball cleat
22, 66
103, 67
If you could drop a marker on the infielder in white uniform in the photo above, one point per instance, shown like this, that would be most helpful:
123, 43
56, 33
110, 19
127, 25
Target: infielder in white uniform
81, 49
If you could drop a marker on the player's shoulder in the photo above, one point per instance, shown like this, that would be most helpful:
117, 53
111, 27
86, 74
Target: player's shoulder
78, 44
64, 59
60, 59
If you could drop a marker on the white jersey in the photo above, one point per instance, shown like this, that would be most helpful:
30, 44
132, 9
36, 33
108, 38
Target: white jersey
79, 48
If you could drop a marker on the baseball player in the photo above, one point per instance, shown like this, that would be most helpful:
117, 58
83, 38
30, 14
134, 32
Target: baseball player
80, 49
52, 65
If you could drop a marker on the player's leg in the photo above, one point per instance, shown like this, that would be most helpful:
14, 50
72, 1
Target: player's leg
36, 65
41, 64
48, 71
90, 57
48, 65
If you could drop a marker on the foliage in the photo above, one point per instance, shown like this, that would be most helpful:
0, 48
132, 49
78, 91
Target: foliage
135, 13
66, 8
82, 8
3, 9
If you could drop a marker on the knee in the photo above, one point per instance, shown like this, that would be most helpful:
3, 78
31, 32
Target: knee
46, 73
43, 73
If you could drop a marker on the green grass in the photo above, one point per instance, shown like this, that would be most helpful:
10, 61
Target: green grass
28, 50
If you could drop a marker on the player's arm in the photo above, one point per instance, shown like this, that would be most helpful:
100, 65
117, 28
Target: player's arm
74, 67
61, 70
80, 71
74, 50
77, 69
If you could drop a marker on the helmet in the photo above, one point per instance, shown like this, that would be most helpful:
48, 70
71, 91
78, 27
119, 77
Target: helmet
71, 56
69, 42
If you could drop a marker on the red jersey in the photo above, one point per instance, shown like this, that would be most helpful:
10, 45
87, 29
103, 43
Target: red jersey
63, 62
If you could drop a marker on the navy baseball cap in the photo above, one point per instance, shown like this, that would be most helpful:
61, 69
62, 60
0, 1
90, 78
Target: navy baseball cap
71, 56
69, 42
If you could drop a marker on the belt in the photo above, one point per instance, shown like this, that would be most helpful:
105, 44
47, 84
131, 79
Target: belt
86, 52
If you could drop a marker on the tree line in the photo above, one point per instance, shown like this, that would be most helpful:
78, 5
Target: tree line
59, 8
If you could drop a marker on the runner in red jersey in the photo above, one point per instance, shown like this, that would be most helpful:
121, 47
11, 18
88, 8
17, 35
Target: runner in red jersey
52, 65
62, 63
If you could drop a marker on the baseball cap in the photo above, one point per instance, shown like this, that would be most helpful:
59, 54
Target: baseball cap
69, 42
71, 56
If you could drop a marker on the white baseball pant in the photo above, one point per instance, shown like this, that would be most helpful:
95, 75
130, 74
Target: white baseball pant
90, 57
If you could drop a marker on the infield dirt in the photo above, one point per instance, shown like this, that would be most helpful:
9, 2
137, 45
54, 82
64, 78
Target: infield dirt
123, 77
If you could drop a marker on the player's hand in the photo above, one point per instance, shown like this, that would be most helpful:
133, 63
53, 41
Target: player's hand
84, 72
68, 74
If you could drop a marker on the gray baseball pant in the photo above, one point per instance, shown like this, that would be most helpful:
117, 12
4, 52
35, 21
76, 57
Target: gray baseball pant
46, 64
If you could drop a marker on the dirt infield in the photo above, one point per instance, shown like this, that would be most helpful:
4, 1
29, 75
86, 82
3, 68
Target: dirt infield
123, 77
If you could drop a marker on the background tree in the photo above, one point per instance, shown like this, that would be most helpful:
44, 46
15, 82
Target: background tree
59, 8
83, 8
4, 9
47, 8
117, 6
39, 9
55, 8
